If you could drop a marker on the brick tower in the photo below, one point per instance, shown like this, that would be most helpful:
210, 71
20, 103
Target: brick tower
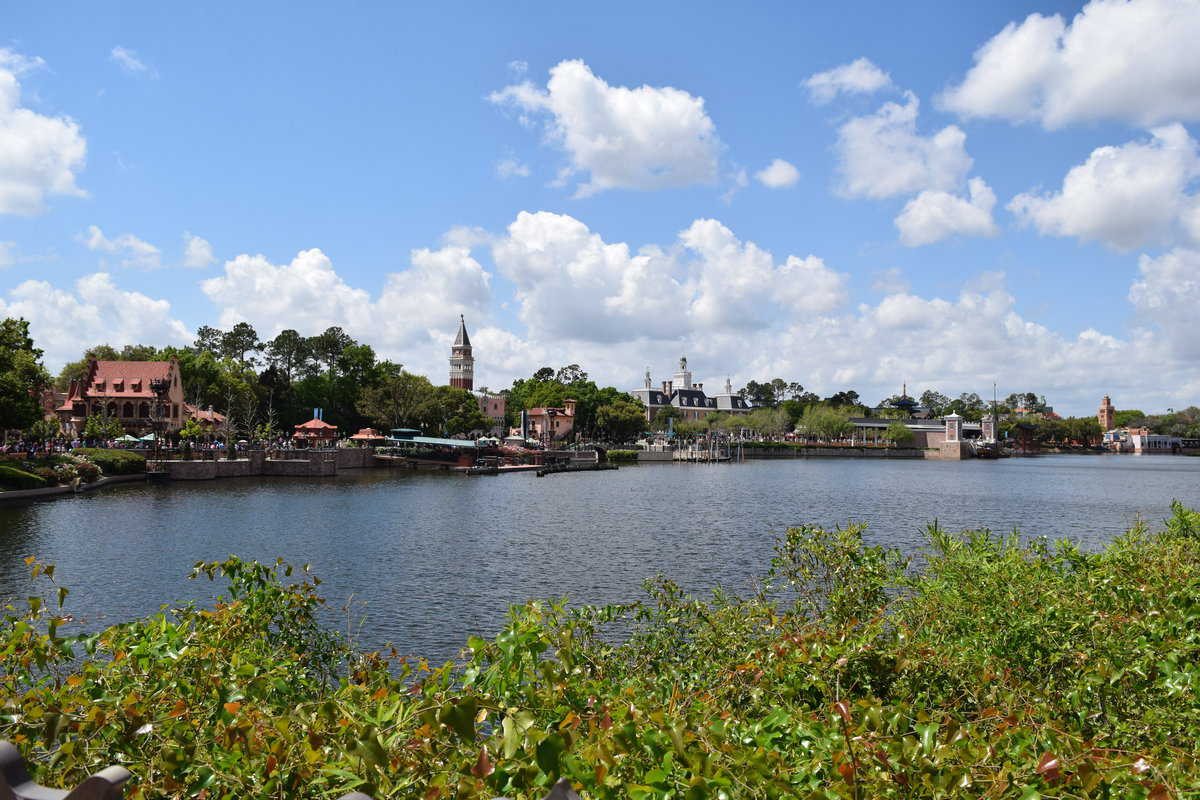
462, 363
1107, 416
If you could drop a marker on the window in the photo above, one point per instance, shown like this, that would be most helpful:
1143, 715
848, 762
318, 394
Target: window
144, 410
127, 411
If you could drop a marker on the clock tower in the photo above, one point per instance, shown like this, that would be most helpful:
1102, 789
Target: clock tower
462, 363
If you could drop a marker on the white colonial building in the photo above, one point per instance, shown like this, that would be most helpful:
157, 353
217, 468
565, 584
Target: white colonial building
688, 397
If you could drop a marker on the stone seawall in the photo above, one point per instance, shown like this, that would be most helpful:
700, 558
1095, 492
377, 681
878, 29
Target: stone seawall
298, 464
834, 452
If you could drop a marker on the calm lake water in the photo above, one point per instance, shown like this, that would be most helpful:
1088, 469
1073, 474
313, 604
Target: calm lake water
425, 559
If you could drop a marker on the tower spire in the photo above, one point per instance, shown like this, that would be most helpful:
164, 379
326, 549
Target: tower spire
462, 362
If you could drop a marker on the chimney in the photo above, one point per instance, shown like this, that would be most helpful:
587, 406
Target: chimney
569, 407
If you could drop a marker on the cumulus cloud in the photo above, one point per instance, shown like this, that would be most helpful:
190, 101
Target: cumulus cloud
128, 61
416, 306
134, 252
571, 284
39, 155
1131, 60
779, 174
511, 168
1125, 196
642, 138
882, 155
1167, 295
935, 215
197, 252
63, 322
858, 77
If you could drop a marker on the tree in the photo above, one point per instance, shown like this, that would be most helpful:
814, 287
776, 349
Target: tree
934, 402
288, 352
844, 398
45, 430
208, 339
898, 434
396, 401
825, 423
22, 376
1129, 418
191, 430
761, 395
452, 411
621, 420
101, 426
662, 418
239, 341
544, 374
570, 374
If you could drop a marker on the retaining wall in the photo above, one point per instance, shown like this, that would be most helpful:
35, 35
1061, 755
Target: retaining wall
834, 452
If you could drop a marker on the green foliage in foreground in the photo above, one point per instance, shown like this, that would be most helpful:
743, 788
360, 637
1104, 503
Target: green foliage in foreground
622, 455
999, 670
114, 462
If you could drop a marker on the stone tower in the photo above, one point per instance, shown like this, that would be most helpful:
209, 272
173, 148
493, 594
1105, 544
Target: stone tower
462, 363
1107, 416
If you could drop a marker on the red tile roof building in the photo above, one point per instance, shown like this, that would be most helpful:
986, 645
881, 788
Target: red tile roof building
136, 393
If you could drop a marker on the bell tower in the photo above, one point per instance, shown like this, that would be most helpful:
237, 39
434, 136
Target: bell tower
1107, 416
462, 363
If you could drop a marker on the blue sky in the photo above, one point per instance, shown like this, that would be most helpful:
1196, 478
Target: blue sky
591, 187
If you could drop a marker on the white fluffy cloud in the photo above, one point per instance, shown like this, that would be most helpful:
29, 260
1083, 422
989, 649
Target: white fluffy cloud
197, 252
39, 155
416, 307
882, 155
642, 138
1132, 60
779, 174
571, 284
134, 252
63, 323
934, 215
1125, 196
1167, 295
858, 77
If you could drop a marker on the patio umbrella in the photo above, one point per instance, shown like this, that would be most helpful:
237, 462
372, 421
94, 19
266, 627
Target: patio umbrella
149, 437
127, 438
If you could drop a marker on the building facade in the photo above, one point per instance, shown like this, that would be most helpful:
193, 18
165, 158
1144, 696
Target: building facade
492, 406
462, 362
1107, 415
144, 396
687, 397
549, 424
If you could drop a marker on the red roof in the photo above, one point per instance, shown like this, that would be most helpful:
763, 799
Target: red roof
315, 424
127, 378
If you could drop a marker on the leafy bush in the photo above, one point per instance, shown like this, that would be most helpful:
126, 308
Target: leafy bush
47, 474
88, 472
622, 455
65, 473
13, 478
1001, 669
114, 462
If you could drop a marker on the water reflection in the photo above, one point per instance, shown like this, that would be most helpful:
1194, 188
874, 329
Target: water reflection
428, 559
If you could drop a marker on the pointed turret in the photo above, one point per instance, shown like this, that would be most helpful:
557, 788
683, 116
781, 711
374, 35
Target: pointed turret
462, 362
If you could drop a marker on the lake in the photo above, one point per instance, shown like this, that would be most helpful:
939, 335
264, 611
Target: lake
421, 560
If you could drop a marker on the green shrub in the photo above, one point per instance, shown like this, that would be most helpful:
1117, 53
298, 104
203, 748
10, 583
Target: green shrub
13, 478
88, 472
1002, 668
622, 455
114, 462
47, 474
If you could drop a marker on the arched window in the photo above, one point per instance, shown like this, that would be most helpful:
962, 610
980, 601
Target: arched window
112, 409
144, 410
128, 410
